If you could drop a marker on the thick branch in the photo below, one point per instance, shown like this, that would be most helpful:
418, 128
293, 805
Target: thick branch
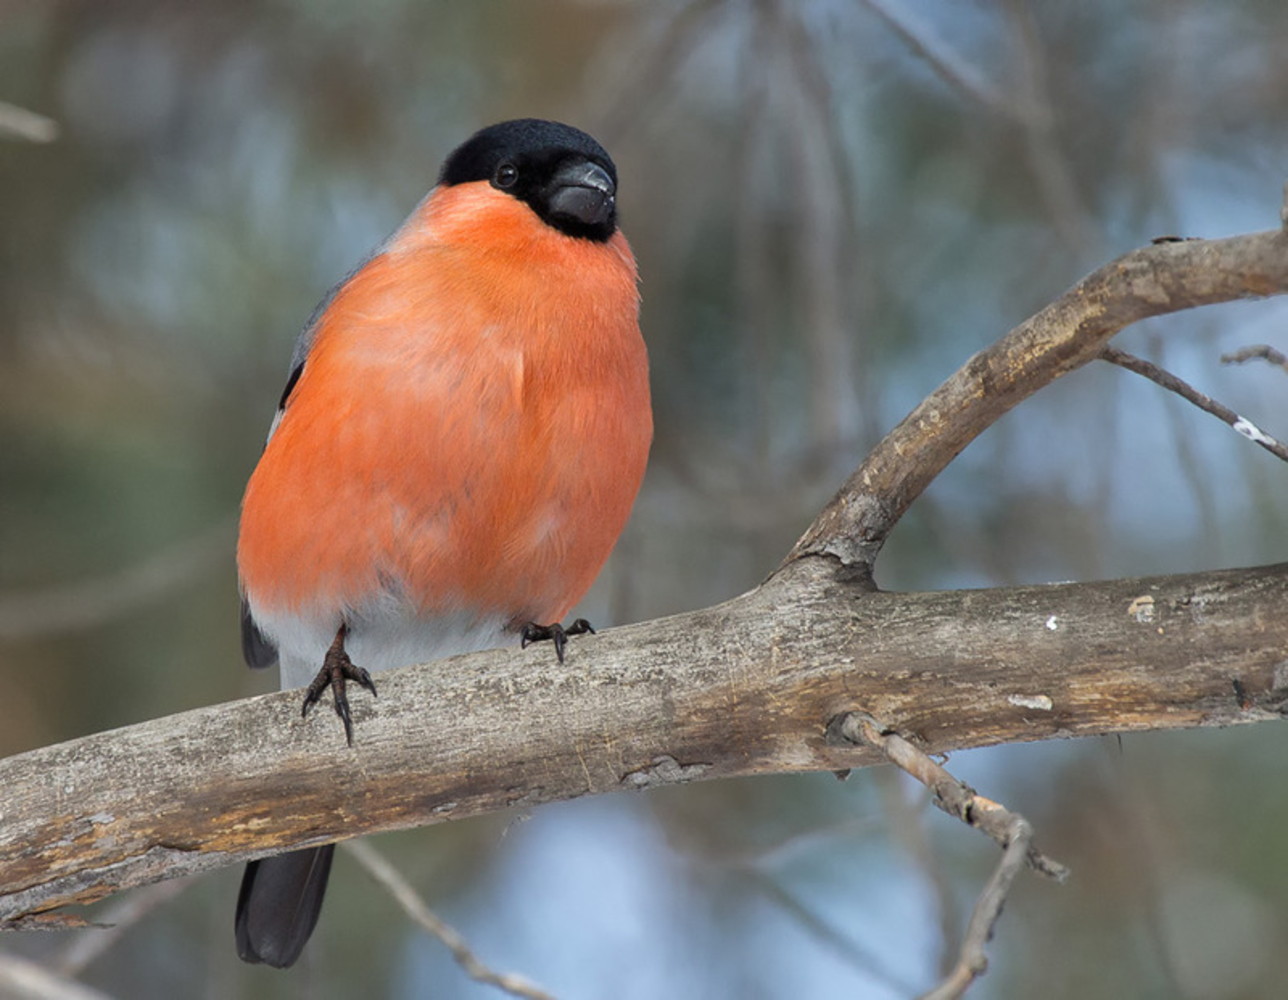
1157, 279
743, 688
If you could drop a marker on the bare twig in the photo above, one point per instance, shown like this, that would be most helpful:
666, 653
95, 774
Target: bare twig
379, 868
950, 795
1183, 389
972, 962
1262, 352
1009, 830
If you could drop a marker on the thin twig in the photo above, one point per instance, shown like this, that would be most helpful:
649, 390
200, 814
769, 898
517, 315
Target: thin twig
1009, 830
1263, 352
379, 868
952, 796
972, 961
1170, 382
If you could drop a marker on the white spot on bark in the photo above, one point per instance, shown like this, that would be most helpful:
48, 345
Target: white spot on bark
1252, 432
1040, 702
1142, 609
1052, 623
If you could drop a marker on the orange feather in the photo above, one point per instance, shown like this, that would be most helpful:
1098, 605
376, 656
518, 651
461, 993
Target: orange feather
470, 428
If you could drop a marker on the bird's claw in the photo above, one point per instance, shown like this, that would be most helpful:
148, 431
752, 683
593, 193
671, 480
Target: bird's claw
337, 670
556, 633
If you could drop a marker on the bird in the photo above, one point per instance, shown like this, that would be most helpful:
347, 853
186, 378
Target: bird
464, 430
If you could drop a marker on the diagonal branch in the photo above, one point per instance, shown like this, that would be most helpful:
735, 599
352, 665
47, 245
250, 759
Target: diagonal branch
379, 868
1154, 280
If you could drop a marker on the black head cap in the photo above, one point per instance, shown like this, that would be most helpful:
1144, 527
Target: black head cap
564, 175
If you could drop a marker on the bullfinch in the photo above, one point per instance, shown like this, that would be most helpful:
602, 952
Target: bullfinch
464, 430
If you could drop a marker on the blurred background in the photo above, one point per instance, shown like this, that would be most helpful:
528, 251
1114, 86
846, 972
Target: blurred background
833, 205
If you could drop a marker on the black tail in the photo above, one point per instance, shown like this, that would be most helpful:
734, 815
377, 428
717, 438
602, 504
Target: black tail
279, 904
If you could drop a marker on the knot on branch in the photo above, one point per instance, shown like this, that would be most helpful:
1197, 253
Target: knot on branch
664, 770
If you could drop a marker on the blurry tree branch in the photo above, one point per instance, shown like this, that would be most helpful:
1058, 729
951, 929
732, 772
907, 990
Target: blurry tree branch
746, 687
23, 979
379, 868
1263, 352
19, 123
88, 603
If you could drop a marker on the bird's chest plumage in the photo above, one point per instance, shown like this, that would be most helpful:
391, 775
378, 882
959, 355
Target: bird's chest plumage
464, 445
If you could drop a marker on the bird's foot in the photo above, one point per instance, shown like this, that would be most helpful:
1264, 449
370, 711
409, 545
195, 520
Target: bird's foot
337, 670
556, 633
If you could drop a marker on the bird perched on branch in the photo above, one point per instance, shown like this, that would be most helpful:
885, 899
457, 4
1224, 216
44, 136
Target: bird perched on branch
462, 435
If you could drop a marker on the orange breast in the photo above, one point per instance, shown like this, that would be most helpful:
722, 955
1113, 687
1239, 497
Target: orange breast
470, 428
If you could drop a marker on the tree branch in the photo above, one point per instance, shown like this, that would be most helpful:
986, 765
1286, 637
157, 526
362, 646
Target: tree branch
1154, 280
745, 687
1262, 352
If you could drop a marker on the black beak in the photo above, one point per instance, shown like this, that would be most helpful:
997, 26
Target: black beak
584, 194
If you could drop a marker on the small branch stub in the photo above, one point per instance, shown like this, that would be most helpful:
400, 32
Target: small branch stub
951, 796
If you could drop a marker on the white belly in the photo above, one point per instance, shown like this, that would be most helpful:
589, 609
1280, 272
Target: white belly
381, 638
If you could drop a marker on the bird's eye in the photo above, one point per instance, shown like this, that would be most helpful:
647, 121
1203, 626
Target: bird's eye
506, 175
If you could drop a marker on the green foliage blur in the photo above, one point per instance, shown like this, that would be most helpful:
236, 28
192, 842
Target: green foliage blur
833, 204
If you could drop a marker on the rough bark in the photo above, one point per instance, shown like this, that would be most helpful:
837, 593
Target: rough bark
745, 687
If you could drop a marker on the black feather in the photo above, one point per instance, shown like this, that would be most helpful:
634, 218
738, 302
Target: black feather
279, 903
256, 648
539, 153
